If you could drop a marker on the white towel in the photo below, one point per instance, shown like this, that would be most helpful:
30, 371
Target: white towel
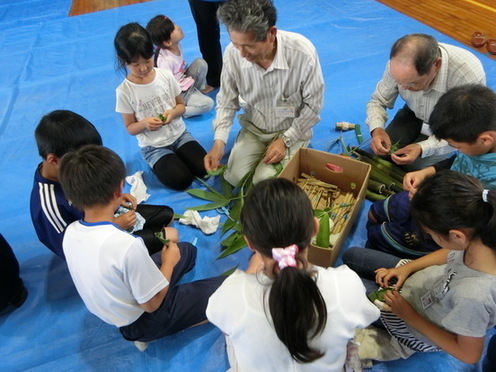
138, 187
208, 225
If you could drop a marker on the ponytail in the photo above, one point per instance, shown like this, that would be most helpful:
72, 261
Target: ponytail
488, 227
298, 311
277, 213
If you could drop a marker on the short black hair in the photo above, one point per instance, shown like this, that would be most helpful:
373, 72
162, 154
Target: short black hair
91, 175
61, 131
131, 42
160, 29
463, 113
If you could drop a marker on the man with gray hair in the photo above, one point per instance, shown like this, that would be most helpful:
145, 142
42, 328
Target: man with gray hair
275, 76
420, 70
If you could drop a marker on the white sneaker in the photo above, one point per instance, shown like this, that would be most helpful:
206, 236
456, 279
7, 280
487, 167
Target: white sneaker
141, 346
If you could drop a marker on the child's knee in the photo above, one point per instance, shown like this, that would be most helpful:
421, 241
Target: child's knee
177, 181
171, 234
199, 63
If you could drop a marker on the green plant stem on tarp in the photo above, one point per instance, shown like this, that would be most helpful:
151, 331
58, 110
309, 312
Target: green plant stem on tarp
232, 198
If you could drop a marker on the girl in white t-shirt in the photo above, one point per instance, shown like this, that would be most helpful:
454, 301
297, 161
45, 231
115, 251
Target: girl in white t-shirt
166, 35
151, 105
283, 313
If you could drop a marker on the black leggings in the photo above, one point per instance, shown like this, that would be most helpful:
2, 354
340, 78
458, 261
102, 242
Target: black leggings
157, 217
178, 170
10, 281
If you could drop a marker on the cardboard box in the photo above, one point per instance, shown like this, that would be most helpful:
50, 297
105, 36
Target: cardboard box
354, 179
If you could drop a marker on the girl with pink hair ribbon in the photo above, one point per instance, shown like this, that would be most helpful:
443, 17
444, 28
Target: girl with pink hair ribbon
283, 313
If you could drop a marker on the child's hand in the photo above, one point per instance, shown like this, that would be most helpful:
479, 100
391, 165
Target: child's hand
396, 303
166, 117
412, 180
152, 123
126, 220
129, 201
385, 277
170, 254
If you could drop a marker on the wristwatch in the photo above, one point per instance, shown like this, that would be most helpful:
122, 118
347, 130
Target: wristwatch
288, 142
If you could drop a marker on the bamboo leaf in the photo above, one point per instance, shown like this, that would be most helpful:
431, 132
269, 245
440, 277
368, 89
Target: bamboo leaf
230, 239
209, 206
227, 189
211, 188
160, 236
207, 195
379, 294
319, 213
238, 244
235, 211
178, 216
278, 167
230, 271
231, 224
220, 170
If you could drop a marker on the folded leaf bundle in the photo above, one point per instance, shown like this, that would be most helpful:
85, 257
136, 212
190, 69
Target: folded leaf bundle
323, 235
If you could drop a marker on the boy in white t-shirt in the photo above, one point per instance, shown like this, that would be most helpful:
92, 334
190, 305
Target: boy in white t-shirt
115, 276
166, 35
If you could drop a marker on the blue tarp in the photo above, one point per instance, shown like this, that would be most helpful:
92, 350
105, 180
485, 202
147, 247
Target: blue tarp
51, 61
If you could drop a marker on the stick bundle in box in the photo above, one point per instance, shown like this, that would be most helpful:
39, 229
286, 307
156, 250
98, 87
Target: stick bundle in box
329, 203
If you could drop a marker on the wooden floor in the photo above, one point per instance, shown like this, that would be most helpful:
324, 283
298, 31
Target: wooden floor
89, 6
455, 18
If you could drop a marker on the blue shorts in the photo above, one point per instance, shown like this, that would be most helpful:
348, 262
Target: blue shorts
153, 154
394, 231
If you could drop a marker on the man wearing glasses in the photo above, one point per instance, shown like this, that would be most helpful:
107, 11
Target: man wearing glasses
420, 70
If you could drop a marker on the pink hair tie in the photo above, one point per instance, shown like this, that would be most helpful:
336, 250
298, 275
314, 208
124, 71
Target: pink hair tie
285, 256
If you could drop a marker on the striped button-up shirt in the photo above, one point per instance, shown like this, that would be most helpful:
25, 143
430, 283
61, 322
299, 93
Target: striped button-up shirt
293, 81
458, 67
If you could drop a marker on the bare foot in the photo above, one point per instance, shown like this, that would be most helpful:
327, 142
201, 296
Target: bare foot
207, 89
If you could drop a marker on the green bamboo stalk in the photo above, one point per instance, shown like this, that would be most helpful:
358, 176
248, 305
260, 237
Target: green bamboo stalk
375, 186
372, 196
380, 163
379, 175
